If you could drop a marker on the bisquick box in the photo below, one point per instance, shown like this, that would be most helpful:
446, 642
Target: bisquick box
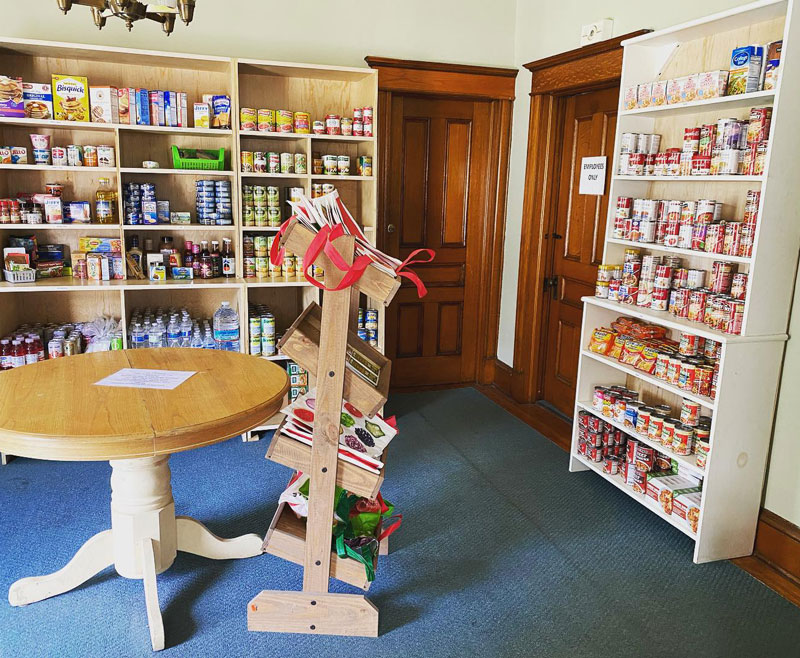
38, 100
70, 98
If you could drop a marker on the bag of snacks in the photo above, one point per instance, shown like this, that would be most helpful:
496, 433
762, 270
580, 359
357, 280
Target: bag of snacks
601, 341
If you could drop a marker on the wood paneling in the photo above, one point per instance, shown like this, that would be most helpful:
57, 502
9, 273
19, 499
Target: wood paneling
411, 317
415, 148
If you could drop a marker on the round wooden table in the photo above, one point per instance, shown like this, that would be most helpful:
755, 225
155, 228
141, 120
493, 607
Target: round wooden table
54, 410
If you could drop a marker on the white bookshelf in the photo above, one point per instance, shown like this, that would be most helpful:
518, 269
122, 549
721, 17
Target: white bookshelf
743, 409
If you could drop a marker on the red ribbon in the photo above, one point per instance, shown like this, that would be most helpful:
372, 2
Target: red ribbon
411, 276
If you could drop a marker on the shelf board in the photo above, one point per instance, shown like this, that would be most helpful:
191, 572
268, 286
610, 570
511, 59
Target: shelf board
340, 178
687, 463
172, 284
59, 227
61, 284
254, 174
76, 170
649, 503
693, 107
176, 172
342, 138
708, 403
652, 246
276, 282
108, 127
666, 319
178, 227
276, 357
262, 134
260, 228
694, 179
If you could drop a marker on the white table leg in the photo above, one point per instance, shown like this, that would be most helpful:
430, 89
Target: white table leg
147, 552
94, 556
194, 537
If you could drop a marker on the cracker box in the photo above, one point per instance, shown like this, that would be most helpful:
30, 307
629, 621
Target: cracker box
673, 91
629, 97
38, 100
658, 93
142, 107
202, 115
643, 94
663, 487
104, 245
11, 97
70, 98
105, 104
686, 508
126, 104
711, 84
745, 73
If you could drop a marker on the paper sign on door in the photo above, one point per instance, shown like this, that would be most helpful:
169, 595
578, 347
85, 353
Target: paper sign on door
593, 175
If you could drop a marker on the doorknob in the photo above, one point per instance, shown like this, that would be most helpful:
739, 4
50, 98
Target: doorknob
390, 228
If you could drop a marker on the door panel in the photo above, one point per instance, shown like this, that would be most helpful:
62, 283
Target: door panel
589, 122
434, 200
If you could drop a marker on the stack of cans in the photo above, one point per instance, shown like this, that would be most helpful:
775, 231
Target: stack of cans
214, 206
132, 203
368, 326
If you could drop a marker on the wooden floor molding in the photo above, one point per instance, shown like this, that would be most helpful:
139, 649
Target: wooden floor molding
776, 559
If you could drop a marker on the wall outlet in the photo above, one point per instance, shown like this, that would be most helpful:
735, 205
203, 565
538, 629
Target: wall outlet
596, 31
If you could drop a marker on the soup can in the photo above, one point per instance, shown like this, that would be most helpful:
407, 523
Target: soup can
302, 123
343, 165
333, 124
266, 121
346, 125
300, 163
365, 165
248, 119
284, 121
273, 163
318, 127
247, 161
260, 162
287, 163
330, 165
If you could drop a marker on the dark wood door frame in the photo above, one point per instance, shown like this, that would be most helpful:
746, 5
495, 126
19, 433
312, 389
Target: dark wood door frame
593, 67
495, 85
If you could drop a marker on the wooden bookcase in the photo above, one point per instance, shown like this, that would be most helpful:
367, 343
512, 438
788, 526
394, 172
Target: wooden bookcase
750, 365
319, 90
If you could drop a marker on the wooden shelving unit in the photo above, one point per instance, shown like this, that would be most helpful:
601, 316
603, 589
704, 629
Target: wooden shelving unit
319, 90
750, 365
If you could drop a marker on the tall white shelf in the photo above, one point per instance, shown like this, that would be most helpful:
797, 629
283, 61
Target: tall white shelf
742, 412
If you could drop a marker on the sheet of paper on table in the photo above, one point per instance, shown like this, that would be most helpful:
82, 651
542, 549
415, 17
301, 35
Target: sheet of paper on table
165, 380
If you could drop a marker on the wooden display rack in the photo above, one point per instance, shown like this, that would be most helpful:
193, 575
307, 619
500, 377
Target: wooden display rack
315, 610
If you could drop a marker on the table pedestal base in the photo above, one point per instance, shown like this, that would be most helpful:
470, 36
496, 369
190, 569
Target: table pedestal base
143, 540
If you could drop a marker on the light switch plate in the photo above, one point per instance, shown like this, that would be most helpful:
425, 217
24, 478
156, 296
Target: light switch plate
596, 31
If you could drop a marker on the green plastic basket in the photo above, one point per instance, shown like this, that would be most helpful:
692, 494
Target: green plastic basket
198, 163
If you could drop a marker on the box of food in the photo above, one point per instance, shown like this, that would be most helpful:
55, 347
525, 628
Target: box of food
80, 212
663, 487
202, 115
162, 211
97, 267
157, 115
158, 272
11, 97
689, 88
772, 62
38, 100
75, 259
686, 508
629, 97
745, 73
673, 91
149, 212
105, 245
117, 266
658, 93
183, 273
105, 104
712, 84
180, 217
70, 98
221, 111
142, 107
643, 94
183, 115
126, 104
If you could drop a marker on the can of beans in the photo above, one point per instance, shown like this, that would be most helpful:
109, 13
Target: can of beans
300, 163
287, 163
365, 165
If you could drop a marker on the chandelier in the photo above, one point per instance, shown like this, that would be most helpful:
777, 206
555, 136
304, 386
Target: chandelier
160, 11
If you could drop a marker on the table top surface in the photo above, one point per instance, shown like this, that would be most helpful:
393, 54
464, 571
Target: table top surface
53, 410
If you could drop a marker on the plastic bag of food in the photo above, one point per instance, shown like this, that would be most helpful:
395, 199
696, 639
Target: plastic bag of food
99, 332
601, 341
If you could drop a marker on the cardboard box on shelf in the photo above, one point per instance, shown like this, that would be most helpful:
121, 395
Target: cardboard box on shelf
70, 98
38, 100
11, 97
105, 104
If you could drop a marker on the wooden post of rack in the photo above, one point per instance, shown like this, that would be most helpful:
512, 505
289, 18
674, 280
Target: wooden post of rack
315, 610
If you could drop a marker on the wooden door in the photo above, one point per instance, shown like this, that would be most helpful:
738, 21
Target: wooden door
575, 240
436, 198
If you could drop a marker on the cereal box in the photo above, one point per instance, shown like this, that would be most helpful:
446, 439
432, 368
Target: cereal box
674, 91
629, 97
142, 107
202, 115
686, 507
70, 98
711, 84
689, 88
643, 94
11, 103
105, 104
745, 73
663, 487
126, 105
658, 93
38, 100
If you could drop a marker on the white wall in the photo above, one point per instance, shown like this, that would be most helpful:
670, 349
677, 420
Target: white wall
314, 31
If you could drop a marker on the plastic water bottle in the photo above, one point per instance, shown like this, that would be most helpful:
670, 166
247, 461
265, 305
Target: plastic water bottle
226, 328
208, 340
156, 335
173, 332
197, 339
137, 337
186, 330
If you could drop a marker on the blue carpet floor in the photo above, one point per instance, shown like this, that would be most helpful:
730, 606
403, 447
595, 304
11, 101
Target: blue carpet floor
503, 553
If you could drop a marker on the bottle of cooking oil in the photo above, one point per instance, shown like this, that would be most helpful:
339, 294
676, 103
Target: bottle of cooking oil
105, 207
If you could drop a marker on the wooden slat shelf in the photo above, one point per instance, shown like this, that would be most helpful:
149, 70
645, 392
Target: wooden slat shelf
301, 343
286, 538
297, 456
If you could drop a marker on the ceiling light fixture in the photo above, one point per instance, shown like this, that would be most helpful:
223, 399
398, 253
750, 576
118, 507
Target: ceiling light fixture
160, 11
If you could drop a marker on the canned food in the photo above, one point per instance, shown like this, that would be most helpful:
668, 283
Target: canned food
284, 121
302, 123
365, 165
287, 163
75, 155
690, 412
248, 161
248, 119
682, 440
266, 121
611, 465
346, 126
318, 127
330, 165
300, 163
333, 124
273, 163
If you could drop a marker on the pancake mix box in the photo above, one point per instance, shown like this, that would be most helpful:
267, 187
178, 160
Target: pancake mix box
11, 104
70, 98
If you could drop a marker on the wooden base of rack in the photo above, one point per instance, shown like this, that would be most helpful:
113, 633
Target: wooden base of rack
313, 614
